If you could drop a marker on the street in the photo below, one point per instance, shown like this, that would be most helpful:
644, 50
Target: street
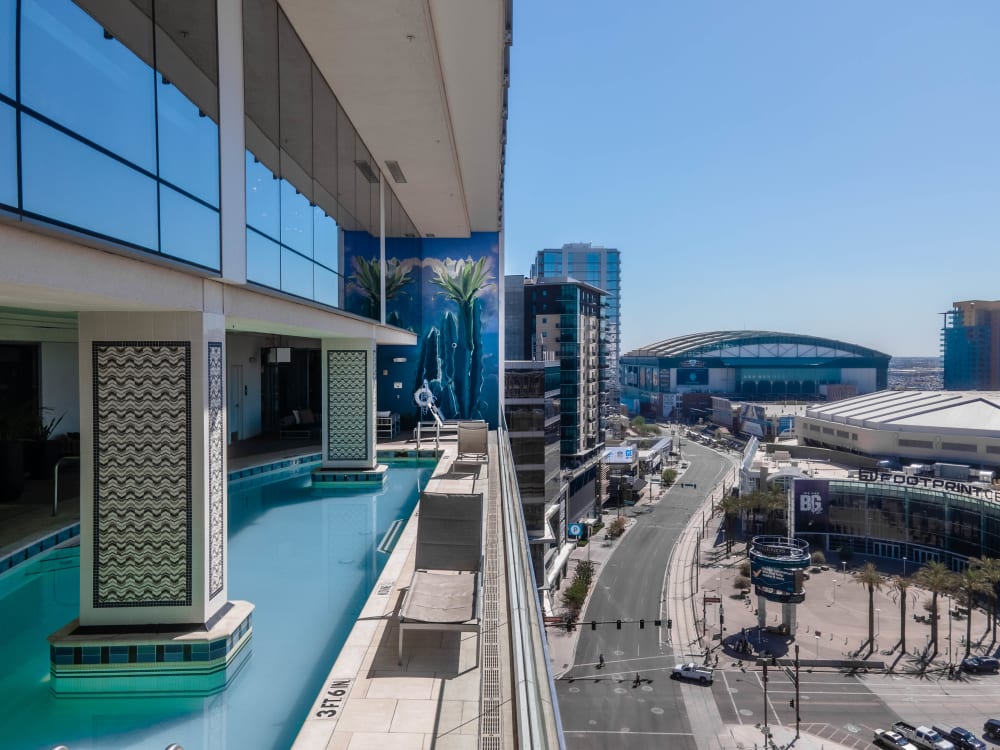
601, 707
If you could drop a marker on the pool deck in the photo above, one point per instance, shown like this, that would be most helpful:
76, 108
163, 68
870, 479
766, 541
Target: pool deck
435, 698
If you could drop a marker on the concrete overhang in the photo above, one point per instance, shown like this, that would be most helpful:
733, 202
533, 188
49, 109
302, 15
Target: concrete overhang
424, 82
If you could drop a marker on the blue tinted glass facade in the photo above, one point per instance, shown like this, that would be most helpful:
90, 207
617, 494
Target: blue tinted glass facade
107, 146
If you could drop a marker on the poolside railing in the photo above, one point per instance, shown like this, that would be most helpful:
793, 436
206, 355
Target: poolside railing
535, 703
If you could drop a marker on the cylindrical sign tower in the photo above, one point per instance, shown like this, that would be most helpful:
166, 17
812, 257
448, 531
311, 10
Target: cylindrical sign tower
777, 569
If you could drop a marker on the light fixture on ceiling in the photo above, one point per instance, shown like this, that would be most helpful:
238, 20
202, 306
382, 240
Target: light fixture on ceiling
366, 171
395, 171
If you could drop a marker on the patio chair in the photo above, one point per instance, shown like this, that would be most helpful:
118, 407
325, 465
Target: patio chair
472, 441
445, 591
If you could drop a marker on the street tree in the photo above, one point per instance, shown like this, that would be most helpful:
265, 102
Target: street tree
938, 579
900, 584
969, 583
871, 579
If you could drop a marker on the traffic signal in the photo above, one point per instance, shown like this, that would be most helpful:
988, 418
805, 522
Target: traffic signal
670, 624
618, 624
791, 703
642, 624
593, 624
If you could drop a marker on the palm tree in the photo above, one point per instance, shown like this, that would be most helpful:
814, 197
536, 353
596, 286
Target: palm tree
900, 584
767, 502
936, 578
970, 582
990, 567
869, 577
730, 507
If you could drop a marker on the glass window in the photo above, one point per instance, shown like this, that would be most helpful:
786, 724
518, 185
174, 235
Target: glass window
296, 274
86, 80
326, 246
70, 182
8, 155
189, 230
327, 287
189, 144
263, 198
8, 25
263, 260
296, 220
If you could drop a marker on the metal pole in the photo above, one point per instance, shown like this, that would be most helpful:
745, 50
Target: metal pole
797, 717
765, 704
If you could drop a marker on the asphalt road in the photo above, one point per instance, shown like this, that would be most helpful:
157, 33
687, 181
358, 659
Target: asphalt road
602, 708
834, 706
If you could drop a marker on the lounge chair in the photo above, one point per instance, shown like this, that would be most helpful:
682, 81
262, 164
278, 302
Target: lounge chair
444, 593
472, 440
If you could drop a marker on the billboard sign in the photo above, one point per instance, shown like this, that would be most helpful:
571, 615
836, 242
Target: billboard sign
692, 376
812, 505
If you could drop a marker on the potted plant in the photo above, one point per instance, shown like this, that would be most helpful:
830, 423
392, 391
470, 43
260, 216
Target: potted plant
15, 425
41, 452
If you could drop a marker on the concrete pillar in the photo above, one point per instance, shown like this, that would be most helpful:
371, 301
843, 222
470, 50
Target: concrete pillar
761, 611
153, 471
788, 617
153, 521
349, 403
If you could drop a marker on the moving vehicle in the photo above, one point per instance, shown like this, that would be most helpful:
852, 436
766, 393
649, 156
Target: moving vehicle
980, 664
891, 740
692, 671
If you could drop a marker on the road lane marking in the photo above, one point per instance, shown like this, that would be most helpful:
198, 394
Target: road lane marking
732, 698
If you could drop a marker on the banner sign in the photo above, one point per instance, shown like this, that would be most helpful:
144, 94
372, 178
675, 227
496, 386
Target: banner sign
694, 376
812, 505
928, 483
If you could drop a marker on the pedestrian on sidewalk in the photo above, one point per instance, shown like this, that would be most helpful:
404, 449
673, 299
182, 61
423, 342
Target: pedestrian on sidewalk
636, 681
600, 661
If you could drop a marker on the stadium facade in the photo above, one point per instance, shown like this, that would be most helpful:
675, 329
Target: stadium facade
748, 365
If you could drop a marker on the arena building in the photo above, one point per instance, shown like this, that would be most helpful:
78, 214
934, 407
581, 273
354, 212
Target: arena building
961, 427
748, 365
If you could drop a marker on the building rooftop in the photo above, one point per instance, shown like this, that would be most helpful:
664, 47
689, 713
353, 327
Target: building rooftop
942, 412
754, 345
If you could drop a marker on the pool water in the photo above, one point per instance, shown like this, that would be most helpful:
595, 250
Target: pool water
305, 557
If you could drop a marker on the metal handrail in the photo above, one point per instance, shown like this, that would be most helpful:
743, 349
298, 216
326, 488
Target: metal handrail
535, 702
55, 491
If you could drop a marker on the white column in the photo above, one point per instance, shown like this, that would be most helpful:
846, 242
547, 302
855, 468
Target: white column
232, 144
153, 468
349, 403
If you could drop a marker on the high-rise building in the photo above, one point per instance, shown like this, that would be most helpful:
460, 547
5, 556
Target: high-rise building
531, 409
561, 319
970, 346
599, 267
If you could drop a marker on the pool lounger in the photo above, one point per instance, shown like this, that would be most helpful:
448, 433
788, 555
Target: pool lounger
444, 593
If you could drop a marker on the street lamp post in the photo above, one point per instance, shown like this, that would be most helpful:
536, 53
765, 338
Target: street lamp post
950, 604
817, 646
834, 590
904, 566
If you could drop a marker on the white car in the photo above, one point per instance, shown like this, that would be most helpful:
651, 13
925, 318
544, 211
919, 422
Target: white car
692, 671
892, 740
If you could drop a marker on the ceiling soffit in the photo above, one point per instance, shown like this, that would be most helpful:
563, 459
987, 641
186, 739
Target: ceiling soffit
423, 83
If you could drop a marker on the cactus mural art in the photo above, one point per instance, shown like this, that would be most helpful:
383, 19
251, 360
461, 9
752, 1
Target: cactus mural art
457, 325
452, 358
367, 280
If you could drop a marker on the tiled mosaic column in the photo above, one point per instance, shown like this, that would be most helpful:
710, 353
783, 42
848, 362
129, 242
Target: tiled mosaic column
349, 404
152, 501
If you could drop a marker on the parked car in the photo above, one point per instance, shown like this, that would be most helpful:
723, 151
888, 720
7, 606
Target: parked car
991, 729
963, 738
890, 740
980, 664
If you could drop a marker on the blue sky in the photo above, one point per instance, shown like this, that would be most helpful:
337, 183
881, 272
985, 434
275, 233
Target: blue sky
828, 168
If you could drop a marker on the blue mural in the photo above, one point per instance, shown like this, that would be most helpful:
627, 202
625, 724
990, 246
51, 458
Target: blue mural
450, 299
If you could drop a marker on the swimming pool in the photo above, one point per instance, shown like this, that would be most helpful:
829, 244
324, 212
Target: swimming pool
306, 557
